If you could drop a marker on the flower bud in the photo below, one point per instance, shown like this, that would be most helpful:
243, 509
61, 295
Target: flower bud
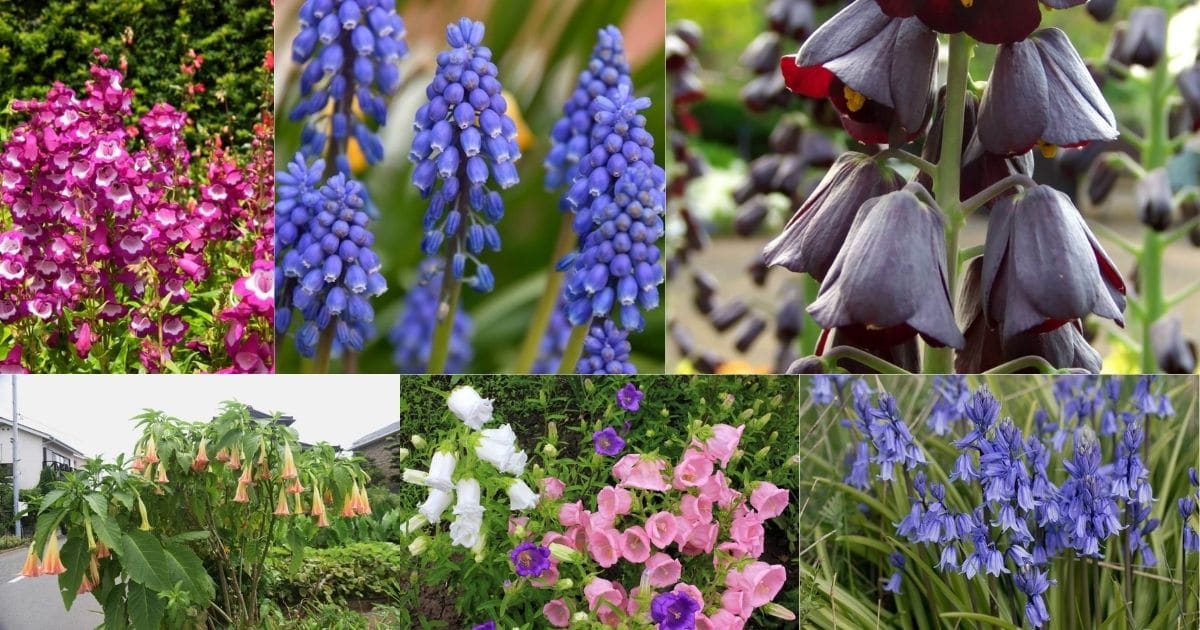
563, 553
415, 522
549, 451
564, 584
779, 612
415, 477
418, 545
1154, 200
418, 442
402, 454
762, 452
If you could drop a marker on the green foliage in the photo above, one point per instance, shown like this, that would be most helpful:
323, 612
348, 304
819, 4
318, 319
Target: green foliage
44, 42
356, 571
9, 541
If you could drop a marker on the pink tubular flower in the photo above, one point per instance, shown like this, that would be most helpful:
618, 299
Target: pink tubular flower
605, 598
552, 488
696, 509
747, 532
12, 362
569, 513
660, 528
663, 570
736, 602
604, 545
701, 538
84, 338
769, 500
557, 613
613, 502
760, 581
692, 471
633, 471
258, 289
635, 545
723, 620
548, 578
721, 446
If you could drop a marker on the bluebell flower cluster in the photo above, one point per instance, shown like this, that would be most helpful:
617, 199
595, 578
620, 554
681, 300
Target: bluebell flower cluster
327, 269
618, 196
1022, 520
412, 336
464, 140
896, 559
351, 50
605, 350
607, 70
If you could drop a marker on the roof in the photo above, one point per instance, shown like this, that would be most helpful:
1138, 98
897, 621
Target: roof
375, 436
29, 426
285, 420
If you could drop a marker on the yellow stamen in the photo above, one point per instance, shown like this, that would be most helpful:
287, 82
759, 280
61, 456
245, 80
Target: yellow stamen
854, 100
1048, 150
968, 3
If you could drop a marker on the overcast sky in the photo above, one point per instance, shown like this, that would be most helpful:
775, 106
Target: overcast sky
92, 413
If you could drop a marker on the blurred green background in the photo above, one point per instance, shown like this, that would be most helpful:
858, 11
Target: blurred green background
540, 46
42, 42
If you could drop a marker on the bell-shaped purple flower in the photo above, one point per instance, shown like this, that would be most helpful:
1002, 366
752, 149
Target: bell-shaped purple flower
1143, 39
889, 280
989, 21
812, 238
1042, 267
1041, 94
876, 70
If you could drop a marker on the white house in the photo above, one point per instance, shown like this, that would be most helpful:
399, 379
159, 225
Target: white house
37, 448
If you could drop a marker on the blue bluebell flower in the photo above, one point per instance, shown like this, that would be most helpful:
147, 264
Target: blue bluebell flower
412, 336
605, 350
618, 196
351, 51
607, 70
1191, 538
896, 559
1086, 501
329, 270
464, 140
949, 406
1033, 583
859, 463
984, 558
892, 439
822, 389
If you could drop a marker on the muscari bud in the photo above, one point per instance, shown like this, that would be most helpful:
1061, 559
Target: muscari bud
1154, 200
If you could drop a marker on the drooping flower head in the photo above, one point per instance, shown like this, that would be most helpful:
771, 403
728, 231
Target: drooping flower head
989, 21
607, 69
464, 140
351, 50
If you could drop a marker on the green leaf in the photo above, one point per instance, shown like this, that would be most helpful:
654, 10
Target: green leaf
114, 608
107, 530
98, 503
187, 568
145, 609
995, 622
143, 559
50, 498
189, 536
75, 557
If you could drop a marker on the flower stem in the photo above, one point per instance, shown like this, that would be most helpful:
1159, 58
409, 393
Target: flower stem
947, 180
445, 326
571, 353
324, 348
549, 300
1158, 138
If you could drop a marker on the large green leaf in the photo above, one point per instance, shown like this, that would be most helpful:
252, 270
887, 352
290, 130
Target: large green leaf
145, 609
107, 530
98, 503
75, 557
143, 559
114, 609
187, 568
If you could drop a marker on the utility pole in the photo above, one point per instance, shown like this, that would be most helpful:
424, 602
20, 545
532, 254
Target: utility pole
16, 476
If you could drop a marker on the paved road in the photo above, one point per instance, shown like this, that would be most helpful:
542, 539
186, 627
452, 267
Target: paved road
34, 603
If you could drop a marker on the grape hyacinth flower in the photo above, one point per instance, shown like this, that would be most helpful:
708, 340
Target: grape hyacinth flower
329, 271
607, 70
605, 350
412, 336
618, 196
530, 560
351, 50
464, 140
607, 442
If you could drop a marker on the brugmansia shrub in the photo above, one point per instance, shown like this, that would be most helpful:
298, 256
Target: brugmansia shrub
178, 535
1068, 507
120, 252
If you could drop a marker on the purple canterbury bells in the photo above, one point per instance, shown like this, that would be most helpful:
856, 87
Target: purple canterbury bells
530, 560
877, 71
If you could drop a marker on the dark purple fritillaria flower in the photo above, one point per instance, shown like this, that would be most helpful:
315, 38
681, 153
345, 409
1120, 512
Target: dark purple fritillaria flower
674, 611
630, 397
989, 21
876, 70
530, 560
607, 442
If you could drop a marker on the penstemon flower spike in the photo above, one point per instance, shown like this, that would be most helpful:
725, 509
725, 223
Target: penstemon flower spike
328, 270
464, 141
